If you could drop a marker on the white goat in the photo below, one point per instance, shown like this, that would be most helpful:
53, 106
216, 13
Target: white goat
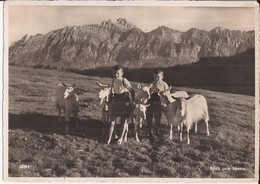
170, 107
139, 116
67, 100
139, 113
191, 111
103, 95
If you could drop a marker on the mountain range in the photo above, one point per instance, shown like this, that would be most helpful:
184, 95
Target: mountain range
110, 43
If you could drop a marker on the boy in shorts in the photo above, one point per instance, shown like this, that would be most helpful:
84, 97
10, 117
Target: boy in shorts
122, 98
155, 110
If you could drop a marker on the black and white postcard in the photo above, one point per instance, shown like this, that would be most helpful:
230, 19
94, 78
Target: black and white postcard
131, 91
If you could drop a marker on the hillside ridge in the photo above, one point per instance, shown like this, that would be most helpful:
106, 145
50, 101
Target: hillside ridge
121, 42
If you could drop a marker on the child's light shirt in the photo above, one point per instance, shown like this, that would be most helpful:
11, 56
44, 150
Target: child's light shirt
157, 87
121, 85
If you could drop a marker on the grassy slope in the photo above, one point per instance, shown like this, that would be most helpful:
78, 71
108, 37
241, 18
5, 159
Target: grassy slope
37, 139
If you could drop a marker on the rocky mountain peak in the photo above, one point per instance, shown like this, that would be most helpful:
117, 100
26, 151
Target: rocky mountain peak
109, 43
125, 23
25, 38
216, 30
108, 22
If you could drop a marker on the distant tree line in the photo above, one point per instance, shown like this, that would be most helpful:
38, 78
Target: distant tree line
235, 74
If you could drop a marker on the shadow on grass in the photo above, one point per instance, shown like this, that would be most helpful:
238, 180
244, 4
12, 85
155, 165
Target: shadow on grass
88, 128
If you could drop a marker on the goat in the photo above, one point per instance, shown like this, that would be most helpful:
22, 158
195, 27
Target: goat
191, 111
138, 115
103, 95
170, 107
67, 100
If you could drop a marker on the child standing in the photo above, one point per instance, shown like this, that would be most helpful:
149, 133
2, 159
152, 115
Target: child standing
122, 98
155, 110
122, 91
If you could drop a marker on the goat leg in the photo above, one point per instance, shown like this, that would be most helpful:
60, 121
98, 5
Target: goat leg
196, 127
188, 135
59, 113
181, 129
207, 125
136, 130
104, 124
67, 119
76, 120
171, 131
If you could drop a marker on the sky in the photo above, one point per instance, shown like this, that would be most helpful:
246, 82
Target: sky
42, 19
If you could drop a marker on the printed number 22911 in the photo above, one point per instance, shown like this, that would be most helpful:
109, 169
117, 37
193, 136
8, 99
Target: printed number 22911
24, 166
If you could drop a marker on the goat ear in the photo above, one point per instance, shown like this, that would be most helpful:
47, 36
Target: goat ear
147, 105
73, 85
64, 84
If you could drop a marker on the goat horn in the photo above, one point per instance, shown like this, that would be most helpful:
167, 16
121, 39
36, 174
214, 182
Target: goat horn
101, 85
64, 84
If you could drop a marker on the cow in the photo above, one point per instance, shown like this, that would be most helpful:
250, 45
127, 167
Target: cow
68, 101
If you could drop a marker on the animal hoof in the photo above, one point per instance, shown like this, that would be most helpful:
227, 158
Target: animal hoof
137, 140
208, 134
119, 142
